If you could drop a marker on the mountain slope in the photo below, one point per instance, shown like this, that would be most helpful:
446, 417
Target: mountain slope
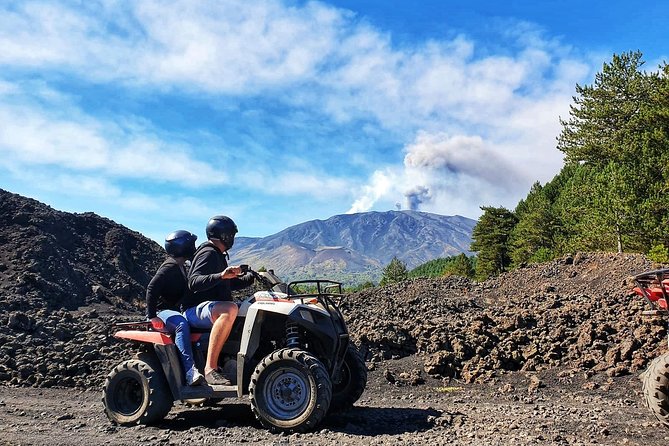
357, 246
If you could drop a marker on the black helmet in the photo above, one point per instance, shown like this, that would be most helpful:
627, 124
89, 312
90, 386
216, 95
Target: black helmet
222, 228
180, 244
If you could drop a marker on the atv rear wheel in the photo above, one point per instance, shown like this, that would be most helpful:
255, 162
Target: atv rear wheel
352, 381
656, 388
136, 393
290, 391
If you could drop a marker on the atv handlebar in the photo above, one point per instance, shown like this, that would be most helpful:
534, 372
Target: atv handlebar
268, 279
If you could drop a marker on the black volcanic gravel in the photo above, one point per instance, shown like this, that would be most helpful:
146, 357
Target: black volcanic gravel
576, 312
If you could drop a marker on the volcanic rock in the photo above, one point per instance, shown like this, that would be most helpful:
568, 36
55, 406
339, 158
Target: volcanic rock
55, 269
577, 314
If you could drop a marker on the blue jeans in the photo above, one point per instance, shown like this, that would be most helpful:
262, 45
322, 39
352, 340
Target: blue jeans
176, 324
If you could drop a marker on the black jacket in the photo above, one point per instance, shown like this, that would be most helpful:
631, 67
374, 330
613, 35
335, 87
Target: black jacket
166, 289
204, 278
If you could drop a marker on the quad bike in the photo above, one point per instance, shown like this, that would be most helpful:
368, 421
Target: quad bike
654, 287
290, 352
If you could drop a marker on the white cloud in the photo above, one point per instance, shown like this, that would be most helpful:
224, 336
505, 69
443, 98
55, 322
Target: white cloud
159, 207
44, 129
489, 120
286, 181
223, 46
238, 48
36, 136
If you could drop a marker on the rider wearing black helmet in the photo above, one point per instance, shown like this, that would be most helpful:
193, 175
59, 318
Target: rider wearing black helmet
165, 293
222, 228
211, 282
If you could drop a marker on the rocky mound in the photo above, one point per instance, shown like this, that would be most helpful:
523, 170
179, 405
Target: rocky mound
63, 277
574, 313
51, 259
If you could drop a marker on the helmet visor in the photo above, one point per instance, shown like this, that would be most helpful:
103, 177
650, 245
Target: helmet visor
228, 240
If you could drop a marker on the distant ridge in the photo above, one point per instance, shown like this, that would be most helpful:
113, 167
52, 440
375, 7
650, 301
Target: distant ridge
352, 247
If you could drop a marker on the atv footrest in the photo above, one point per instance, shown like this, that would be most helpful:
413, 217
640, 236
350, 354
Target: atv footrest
207, 391
223, 391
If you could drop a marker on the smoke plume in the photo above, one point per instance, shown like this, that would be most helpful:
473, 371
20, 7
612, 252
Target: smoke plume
445, 174
417, 196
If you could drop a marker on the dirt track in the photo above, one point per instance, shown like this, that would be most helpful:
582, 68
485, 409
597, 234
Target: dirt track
518, 409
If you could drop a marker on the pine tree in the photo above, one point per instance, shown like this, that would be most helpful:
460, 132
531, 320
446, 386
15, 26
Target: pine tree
608, 116
432, 268
532, 237
606, 136
395, 271
491, 240
654, 161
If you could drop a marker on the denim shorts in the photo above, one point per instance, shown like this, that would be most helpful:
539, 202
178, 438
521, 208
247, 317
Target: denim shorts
200, 316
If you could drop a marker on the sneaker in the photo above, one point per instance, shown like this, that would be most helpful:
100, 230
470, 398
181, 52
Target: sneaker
194, 378
216, 379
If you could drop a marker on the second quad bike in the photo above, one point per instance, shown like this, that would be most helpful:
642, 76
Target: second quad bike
289, 351
654, 287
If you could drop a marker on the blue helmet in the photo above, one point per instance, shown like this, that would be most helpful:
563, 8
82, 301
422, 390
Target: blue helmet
180, 244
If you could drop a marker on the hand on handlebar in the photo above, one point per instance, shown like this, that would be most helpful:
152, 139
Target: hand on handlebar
231, 272
235, 271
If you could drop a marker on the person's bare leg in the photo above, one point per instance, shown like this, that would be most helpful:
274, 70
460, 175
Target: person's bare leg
224, 314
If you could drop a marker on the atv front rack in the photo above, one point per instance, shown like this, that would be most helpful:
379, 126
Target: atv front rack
326, 291
322, 288
654, 287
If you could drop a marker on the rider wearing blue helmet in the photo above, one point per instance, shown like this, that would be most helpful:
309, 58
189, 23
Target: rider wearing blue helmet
165, 294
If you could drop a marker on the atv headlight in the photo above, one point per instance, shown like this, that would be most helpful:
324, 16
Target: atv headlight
306, 315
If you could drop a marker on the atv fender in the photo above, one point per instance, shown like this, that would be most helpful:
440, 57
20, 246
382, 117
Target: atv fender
315, 321
300, 314
151, 337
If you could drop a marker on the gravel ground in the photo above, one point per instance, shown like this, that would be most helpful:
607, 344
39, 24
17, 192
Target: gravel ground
556, 407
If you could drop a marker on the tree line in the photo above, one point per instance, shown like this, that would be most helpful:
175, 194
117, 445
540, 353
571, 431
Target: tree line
397, 271
611, 194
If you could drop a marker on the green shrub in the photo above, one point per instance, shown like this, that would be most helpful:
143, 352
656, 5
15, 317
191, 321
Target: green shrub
659, 254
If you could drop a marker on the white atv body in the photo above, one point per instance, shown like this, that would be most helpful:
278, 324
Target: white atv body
290, 353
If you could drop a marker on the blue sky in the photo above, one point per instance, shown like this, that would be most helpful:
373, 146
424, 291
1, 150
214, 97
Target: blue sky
159, 115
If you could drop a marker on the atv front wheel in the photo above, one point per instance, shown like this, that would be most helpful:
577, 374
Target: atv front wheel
136, 393
656, 388
290, 391
351, 383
